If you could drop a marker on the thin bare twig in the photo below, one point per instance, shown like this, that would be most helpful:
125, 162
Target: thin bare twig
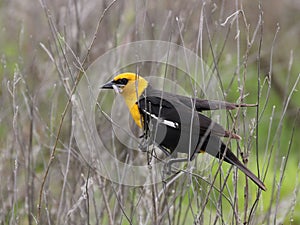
63, 115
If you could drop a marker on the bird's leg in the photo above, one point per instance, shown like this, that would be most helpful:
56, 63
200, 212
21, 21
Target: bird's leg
144, 144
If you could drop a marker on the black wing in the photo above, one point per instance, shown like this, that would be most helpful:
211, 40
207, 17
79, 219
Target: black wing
203, 105
170, 108
199, 104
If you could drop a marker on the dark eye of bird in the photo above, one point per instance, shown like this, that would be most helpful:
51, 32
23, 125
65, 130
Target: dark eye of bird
122, 81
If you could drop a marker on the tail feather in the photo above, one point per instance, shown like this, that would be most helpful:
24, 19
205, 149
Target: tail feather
232, 159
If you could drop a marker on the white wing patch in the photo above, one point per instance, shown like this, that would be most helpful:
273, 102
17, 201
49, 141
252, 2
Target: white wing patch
163, 121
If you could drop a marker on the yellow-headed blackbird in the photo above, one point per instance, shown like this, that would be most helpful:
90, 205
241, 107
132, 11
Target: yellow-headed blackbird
174, 122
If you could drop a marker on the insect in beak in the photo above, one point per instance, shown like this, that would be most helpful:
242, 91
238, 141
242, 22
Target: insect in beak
117, 89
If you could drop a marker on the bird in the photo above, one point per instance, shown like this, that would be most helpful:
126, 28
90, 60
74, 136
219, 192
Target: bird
175, 123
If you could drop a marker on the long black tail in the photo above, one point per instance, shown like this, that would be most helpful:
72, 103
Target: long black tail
232, 159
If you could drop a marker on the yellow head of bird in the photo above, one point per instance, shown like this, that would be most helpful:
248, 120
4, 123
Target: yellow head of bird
131, 87
127, 84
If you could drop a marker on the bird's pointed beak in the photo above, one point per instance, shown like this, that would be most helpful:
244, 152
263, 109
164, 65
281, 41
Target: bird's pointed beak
108, 85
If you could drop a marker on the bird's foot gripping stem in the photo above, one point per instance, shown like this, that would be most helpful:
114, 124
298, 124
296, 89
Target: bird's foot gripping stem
168, 165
